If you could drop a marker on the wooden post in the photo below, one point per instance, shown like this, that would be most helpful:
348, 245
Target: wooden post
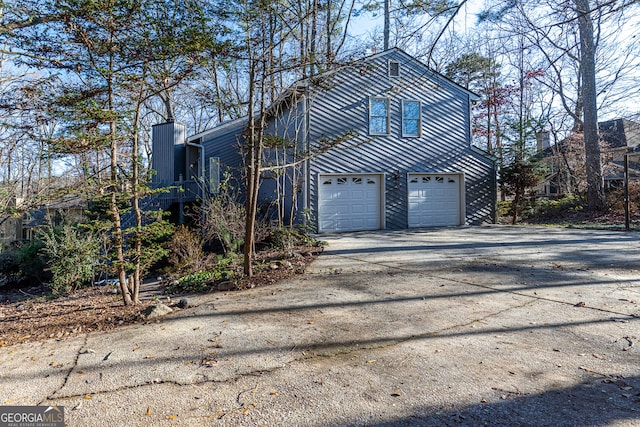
626, 192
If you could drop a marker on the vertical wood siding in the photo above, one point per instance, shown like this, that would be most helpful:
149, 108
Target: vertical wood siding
167, 139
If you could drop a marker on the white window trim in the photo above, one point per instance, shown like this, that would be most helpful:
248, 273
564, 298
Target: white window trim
391, 76
372, 98
404, 135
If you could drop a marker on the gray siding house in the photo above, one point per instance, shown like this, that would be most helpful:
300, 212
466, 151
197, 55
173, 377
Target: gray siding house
382, 143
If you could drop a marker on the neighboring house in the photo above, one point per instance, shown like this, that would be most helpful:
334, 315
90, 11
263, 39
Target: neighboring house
383, 143
618, 137
54, 213
24, 226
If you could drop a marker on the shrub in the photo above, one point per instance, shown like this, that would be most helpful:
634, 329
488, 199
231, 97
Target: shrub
225, 268
72, 254
286, 238
186, 253
615, 198
222, 221
547, 208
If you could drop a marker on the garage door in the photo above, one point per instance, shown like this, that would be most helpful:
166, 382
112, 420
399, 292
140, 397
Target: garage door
349, 202
434, 200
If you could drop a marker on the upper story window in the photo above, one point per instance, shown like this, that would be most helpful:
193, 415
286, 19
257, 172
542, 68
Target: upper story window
411, 119
394, 69
378, 116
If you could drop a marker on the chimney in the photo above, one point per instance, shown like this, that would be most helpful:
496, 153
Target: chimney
167, 152
543, 139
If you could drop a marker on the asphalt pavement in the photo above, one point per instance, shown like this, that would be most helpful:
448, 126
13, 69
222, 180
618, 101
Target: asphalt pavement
464, 326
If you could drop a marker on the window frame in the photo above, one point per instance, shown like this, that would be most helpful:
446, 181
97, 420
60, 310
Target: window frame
387, 117
417, 119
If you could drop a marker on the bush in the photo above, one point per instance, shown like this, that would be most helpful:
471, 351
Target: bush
72, 255
286, 238
225, 268
186, 253
222, 221
23, 265
547, 208
615, 198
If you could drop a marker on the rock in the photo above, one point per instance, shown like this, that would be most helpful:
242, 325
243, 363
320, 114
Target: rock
183, 303
227, 285
155, 311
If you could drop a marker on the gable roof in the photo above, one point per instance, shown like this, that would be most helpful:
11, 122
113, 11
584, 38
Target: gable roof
298, 88
620, 133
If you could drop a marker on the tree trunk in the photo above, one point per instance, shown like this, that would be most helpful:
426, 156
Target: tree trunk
387, 23
135, 184
593, 163
118, 238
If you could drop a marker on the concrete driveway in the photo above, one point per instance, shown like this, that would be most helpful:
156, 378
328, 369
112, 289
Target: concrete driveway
496, 326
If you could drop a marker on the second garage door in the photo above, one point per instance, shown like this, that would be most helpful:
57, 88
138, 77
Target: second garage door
349, 202
434, 200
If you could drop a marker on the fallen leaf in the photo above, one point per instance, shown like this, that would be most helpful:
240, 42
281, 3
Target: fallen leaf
273, 393
148, 410
172, 417
246, 411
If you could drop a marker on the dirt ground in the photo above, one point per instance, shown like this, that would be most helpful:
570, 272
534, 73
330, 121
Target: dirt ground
32, 314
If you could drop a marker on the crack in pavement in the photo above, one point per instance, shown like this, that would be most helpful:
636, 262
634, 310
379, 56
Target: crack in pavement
302, 357
74, 364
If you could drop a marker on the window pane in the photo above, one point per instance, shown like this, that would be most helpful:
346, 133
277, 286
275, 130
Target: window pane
411, 110
410, 127
394, 69
214, 174
379, 107
378, 125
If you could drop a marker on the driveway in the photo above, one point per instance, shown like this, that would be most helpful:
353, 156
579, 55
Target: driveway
496, 326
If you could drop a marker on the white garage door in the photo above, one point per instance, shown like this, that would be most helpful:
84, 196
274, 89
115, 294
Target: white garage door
349, 202
434, 200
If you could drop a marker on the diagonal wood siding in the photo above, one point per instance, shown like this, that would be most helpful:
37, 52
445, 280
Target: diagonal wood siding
341, 106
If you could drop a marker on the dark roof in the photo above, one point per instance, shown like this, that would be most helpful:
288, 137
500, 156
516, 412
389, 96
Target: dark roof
620, 133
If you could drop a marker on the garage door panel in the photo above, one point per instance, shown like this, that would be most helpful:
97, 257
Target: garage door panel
434, 200
349, 203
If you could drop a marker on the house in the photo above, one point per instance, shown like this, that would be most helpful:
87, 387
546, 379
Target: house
381, 143
619, 138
